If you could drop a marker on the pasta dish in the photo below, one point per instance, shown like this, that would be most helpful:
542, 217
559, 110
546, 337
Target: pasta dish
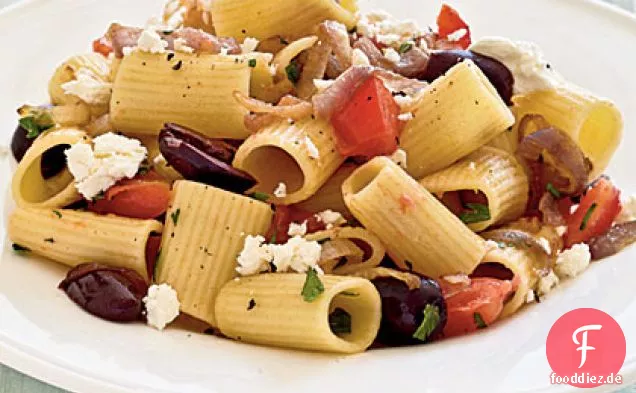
315, 177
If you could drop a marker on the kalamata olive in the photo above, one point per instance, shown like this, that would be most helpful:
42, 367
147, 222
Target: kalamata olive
20, 143
403, 310
202, 159
111, 293
498, 74
53, 161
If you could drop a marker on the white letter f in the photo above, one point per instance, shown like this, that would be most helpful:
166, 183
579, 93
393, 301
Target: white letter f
584, 347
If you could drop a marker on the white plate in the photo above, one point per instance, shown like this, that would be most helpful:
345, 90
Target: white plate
43, 334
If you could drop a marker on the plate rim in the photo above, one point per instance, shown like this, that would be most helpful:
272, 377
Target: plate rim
55, 374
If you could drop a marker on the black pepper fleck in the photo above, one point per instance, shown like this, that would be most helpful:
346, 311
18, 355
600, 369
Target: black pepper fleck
177, 66
251, 304
170, 56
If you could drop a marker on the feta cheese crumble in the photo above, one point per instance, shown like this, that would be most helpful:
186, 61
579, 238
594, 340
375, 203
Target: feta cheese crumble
281, 190
297, 229
531, 297
525, 60
570, 263
311, 148
405, 116
547, 284
88, 88
359, 58
331, 218
392, 55
181, 45
150, 41
249, 45
400, 158
628, 212
545, 244
457, 279
255, 256
296, 255
112, 158
162, 305
386, 29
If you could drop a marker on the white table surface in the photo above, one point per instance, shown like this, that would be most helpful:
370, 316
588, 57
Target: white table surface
12, 381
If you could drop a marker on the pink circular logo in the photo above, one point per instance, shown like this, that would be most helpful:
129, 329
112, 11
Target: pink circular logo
586, 348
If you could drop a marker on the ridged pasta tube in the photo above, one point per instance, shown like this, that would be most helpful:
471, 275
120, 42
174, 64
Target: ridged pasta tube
594, 123
329, 196
30, 188
204, 233
192, 90
459, 112
268, 309
74, 237
497, 174
419, 232
302, 156
263, 19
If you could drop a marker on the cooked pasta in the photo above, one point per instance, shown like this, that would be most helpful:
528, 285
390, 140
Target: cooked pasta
496, 174
460, 112
303, 154
420, 234
268, 18
329, 196
594, 123
73, 237
204, 233
191, 90
31, 188
269, 310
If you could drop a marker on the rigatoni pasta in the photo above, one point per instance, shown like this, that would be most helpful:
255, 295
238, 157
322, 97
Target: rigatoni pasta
269, 310
460, 112
204, 233
418, 231
329, 196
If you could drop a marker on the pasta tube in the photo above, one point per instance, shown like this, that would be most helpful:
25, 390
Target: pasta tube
188, 89
460, 112
329, 196
263, 19
594, 123
419, 232
300, 157
73, 237
268, 309
496, 174
204, 232
30, 188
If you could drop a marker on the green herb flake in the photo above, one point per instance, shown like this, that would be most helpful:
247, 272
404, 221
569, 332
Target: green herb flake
57, 213
273, 239
405, 47
175, 216
313, 286
429, 323
18, 249
479, 321
478, 213
259, 196
252, 63
49, 240
340, 321
36, 122
552, 190
293, 73
588, 215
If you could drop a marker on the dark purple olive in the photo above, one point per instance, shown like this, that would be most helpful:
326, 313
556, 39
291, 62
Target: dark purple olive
403, 310
111, 293
498, 74
202, 159
53, 161
20, 143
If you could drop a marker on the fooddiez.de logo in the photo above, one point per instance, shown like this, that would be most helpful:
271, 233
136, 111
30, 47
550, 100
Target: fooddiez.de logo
586, 348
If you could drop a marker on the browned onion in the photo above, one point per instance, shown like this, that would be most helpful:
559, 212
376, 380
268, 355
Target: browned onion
375, 56
542, 261
339, 93
566, 167
314, 68
550, 210
615, 240
336, 36
263, 114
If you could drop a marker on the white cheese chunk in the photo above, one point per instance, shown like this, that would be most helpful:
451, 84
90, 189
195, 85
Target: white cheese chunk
255, 256
296, 255
181, 45
88, 88
112, 158
547, 284
162, 305
392, 55
281, 190
405, 116
150, 41
386, 29
545, 244
312, 149
400, 158
531, 297
628, 212
331, 218
570, 263
297, 229
249, 45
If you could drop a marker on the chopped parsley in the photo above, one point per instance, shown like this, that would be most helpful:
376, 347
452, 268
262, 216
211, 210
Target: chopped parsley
175, 216
313, 286
478, 213
340, 321
260, 196
429, 323
552, 190
57, 213
293, 72
36, 122
19, 249
479, 321
588, 215
273, 239
252, 63
405, 47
